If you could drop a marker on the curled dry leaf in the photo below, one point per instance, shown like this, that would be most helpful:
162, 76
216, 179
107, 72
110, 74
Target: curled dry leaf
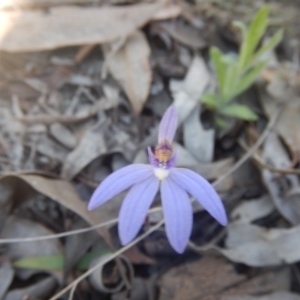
130, 66
36, 30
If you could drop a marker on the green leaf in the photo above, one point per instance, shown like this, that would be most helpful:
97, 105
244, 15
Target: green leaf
51, 262
220, 122
232, 76
211, 100
239, 111
56, 262
255, 32
273, 41
248, 79
241, 26
219, 65
86, 259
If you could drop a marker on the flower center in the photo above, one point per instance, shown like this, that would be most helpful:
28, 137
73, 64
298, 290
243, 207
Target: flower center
163, 152
161, 173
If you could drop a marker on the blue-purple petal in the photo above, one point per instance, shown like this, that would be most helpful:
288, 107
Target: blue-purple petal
178, 214
152, 159
134, 208
168, 125
118, 182
202, 191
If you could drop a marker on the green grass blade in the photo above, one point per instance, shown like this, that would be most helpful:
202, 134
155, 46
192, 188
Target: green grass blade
239, 111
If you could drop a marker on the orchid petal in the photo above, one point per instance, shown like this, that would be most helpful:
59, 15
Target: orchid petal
168, 125
178, 214
118, 182
172, 162
202, 191
152, 159
134, 208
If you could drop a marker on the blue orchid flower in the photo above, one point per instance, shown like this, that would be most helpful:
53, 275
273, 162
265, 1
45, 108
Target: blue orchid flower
175, 185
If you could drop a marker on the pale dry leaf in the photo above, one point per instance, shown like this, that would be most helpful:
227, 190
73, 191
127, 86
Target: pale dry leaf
279, 187
185, 34
63, 135
6, 275
198, 141
91, 146
37, 30
260, 247
253, 209
187, 93
281, 91
16, 227
130, 66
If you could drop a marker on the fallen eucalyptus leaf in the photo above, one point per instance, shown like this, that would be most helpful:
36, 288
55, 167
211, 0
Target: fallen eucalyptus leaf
281, 91
252, 210
259, 247
37, 30
91, 146
130, 66
24, 185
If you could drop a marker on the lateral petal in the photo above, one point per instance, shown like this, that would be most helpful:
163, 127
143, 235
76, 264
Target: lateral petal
118, 182
202, 191
178, 214
134, 208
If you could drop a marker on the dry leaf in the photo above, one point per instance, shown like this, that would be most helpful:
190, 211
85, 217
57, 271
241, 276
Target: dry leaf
6, 275
211, 278
36, 30
185, 34
198, 141
281, 91
279, 187
24, 185
91, 146
130, 66
254, 209
259, 247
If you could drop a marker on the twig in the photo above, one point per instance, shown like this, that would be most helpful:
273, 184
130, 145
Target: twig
72, 292
262, 164
114, 255
67, 233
